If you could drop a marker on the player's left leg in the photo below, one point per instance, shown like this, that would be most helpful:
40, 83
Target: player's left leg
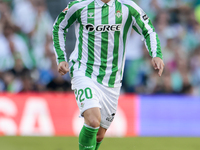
100, 136
108, 109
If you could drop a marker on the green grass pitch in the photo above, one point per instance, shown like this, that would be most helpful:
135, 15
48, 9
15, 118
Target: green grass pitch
71, 143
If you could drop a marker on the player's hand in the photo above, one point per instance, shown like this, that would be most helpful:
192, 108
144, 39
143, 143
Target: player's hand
63, 68
158, 64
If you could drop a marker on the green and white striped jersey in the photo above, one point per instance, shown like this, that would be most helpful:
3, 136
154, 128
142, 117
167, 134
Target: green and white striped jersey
101, 32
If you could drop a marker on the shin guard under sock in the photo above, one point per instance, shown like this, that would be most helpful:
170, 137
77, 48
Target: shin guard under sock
87, 138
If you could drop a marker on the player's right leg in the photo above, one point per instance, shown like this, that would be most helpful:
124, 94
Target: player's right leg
87, 97
92, 117
87, 136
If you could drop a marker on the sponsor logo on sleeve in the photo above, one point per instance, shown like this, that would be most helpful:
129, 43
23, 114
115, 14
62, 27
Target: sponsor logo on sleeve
145, 17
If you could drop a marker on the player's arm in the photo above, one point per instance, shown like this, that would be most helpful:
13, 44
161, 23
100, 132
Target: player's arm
143, 25
65, 19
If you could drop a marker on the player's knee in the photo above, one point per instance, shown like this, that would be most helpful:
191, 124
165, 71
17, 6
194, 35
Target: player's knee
92, 117
94, 123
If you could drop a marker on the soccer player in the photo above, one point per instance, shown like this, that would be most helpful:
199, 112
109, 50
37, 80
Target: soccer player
96, 64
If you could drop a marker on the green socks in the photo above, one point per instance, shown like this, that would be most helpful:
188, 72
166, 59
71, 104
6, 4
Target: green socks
97, 145
87, 138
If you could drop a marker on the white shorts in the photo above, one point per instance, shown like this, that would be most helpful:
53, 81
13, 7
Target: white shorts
90, 94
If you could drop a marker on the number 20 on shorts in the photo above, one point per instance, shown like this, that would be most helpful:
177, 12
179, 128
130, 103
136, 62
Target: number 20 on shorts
81, 94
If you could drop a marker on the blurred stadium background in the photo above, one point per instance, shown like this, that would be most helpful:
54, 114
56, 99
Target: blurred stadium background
36, 101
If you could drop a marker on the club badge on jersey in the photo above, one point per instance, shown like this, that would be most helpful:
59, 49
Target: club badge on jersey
118, 14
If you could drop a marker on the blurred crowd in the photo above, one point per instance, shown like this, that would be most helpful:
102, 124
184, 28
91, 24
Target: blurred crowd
27, 59
177, 23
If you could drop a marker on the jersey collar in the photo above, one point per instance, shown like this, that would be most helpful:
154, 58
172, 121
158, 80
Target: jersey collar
100, 3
